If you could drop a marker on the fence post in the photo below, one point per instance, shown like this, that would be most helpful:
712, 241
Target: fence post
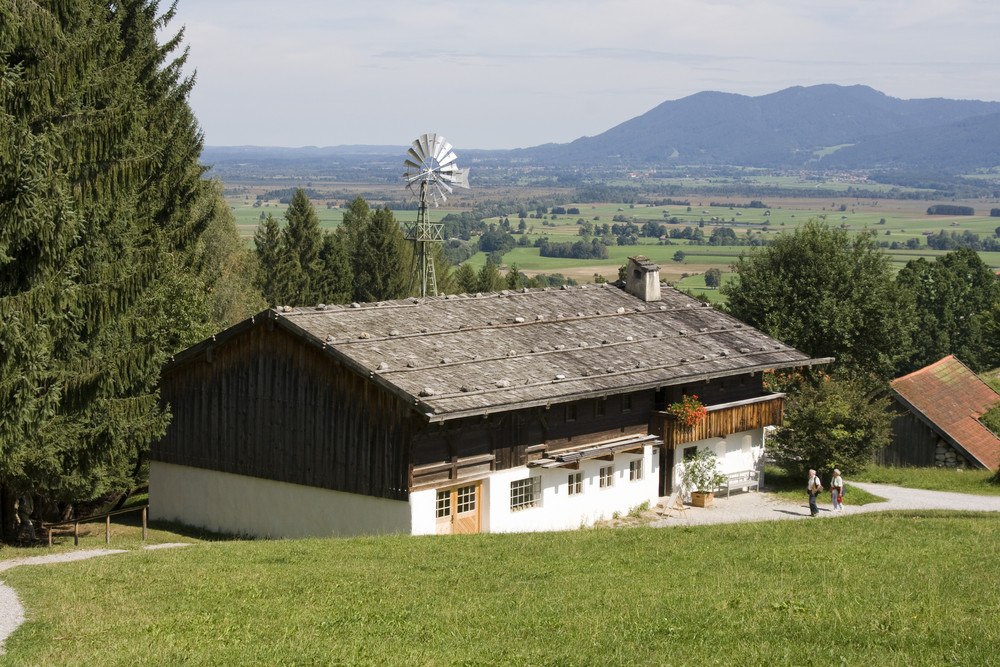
107, 529
50, 537
144, 524
76, 534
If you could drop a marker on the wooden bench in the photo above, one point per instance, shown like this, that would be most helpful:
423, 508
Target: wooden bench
742, 479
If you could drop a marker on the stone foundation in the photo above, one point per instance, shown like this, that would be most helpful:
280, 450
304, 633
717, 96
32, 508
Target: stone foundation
945, 456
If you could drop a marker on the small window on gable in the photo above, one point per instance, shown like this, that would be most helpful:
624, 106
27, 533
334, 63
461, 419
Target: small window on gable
627, 403
571, 412
600, 405
689, 452
635, 470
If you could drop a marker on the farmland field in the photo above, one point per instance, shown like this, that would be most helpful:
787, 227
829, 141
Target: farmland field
889, 219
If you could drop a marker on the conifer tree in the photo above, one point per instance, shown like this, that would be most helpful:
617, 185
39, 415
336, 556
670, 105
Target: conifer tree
99, 218
489, 279
267, 240
378, 259
465, 278
301, 266
335, 284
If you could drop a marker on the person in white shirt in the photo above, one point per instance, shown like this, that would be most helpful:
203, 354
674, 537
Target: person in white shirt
837, 490
814, 488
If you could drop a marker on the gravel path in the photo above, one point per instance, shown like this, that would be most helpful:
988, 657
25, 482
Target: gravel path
11, 611
766, 507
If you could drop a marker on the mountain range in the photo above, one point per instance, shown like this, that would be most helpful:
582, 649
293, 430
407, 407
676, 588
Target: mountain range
816, 127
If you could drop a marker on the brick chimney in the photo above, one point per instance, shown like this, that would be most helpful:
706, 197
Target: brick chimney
642, 278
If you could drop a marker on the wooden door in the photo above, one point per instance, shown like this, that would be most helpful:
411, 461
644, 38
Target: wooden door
458, 508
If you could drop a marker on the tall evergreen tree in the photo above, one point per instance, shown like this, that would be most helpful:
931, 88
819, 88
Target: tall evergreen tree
268, 241
303, 239
335, 283
378, 259
99, 217
465, 278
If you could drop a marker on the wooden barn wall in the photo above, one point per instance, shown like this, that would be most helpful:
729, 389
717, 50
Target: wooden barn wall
470, 447
267, 404
913, 442
474, 446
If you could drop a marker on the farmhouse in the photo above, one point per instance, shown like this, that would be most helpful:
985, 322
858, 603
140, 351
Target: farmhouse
937, 419
538, 409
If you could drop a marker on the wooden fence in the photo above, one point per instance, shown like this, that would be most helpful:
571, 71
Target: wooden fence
107, 524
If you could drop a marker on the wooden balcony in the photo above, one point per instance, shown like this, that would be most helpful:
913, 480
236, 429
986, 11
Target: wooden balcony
722, 420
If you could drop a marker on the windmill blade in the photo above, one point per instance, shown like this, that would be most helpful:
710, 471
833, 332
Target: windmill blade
425, 146
410, 164
417, 152
436, 142
414, 155
443, 149
447, 159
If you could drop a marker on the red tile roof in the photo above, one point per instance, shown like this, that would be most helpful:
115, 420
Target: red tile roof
951, 398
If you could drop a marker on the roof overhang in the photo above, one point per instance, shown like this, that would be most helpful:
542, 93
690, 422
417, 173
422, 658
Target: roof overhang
594, 450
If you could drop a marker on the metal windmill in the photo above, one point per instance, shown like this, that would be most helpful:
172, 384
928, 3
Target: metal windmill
431, 171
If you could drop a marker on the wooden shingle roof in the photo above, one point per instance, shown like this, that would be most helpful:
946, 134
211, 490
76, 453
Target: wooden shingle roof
459, 355
950, 398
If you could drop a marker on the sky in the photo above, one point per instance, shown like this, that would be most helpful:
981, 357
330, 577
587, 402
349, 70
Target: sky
517, 73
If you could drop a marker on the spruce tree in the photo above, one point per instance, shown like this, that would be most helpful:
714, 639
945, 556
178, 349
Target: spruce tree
302, 266
268, 241
335, 283
378, 258
465, 278
99, 219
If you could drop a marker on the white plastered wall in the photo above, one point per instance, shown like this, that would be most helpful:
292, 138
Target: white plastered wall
227, 503
735, 452
558, 510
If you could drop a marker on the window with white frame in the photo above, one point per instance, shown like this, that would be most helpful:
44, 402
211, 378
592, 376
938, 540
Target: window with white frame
525, 493
575, 483
635, 470
443, 504
607, 477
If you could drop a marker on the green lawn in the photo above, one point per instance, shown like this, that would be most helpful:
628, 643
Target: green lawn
976, 482
907, 588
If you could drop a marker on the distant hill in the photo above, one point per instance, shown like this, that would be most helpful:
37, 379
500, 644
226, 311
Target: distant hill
824, 126
784, 129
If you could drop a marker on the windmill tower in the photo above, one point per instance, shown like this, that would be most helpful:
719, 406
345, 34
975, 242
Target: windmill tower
431, 171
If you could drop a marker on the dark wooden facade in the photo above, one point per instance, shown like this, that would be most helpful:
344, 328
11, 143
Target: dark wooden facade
913, 442
473, 446
265, 404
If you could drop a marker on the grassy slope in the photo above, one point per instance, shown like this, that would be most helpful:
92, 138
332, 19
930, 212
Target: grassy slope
976, 482
887, 589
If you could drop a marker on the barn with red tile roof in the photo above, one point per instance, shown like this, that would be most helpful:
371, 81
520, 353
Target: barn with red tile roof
938, 409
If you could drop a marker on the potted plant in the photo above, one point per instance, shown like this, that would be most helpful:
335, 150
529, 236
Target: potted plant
688, 411
701, 475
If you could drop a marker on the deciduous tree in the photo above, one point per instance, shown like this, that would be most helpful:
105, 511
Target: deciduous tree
827, 294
